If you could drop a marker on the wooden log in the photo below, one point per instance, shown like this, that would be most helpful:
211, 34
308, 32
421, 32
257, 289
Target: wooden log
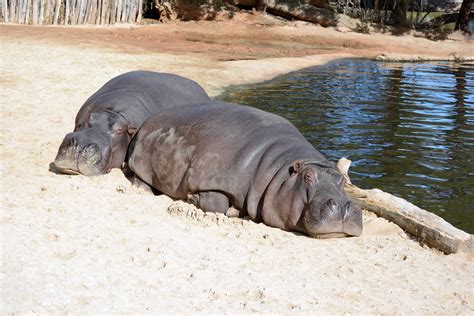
431, 229
300, 10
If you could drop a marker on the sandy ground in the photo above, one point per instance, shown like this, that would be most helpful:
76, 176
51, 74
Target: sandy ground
78, 244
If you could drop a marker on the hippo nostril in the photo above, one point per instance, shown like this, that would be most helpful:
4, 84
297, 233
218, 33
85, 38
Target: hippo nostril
331, 203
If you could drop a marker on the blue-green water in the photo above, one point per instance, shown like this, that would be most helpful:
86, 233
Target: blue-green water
408, 128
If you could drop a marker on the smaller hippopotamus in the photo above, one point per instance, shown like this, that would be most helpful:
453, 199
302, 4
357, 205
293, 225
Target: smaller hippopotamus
107, 121
239, 160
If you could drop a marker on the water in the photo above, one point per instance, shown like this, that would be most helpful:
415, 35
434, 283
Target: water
408, 128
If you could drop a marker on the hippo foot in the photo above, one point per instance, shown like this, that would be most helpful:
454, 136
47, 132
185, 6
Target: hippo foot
142, 186
232, 212
210, 201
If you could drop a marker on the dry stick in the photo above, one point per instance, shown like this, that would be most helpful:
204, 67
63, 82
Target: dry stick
131, 14
87, 9
12, 10
119, 10
5, 11
48, 12
21, 10
112, 11
77, 11
41, 10
28, 9
73, 12
35, 11
56, 11
41, 13
98, 12
80, 12
108, 11
124, 11
139, 15
103, 9
91, 11
66, 14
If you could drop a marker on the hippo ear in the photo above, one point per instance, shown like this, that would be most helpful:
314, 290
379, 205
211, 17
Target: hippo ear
310, 176
131, 129
295, 167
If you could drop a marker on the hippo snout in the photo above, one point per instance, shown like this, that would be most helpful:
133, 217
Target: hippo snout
333, 218
75, 157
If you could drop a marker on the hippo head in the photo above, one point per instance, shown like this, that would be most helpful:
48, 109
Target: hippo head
97, 145
312, 200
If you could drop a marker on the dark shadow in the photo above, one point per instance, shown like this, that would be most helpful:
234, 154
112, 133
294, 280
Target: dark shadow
128, 173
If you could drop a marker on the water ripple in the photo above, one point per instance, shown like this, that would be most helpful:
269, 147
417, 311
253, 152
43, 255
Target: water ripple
409, 128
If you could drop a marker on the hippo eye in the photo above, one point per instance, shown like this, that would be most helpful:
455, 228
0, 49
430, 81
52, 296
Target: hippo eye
118, 129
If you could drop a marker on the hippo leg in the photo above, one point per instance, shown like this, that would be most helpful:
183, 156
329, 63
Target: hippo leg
210, 201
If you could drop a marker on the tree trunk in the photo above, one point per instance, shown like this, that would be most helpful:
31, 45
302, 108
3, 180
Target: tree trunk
464, 15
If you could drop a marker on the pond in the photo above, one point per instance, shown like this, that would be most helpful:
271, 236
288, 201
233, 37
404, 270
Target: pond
407, 127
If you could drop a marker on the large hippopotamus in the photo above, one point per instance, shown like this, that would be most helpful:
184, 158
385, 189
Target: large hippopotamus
107, 121
230, 158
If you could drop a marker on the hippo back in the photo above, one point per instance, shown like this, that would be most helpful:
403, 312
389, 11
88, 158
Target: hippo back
137, 95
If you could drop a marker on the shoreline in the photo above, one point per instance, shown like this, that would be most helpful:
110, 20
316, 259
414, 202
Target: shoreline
80, 244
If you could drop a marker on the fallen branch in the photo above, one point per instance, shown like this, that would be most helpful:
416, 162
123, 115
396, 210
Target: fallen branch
431, 229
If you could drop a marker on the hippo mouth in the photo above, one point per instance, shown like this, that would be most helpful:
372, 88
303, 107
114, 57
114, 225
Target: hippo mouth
66, 170
88, 161
330, 235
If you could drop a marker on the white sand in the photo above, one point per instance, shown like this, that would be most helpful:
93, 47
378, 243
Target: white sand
78, 244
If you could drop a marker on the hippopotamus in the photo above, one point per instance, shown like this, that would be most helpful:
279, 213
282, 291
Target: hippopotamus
107, 121
242, 161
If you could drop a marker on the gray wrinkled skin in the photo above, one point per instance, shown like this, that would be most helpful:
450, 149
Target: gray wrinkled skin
219, 155
107, 121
